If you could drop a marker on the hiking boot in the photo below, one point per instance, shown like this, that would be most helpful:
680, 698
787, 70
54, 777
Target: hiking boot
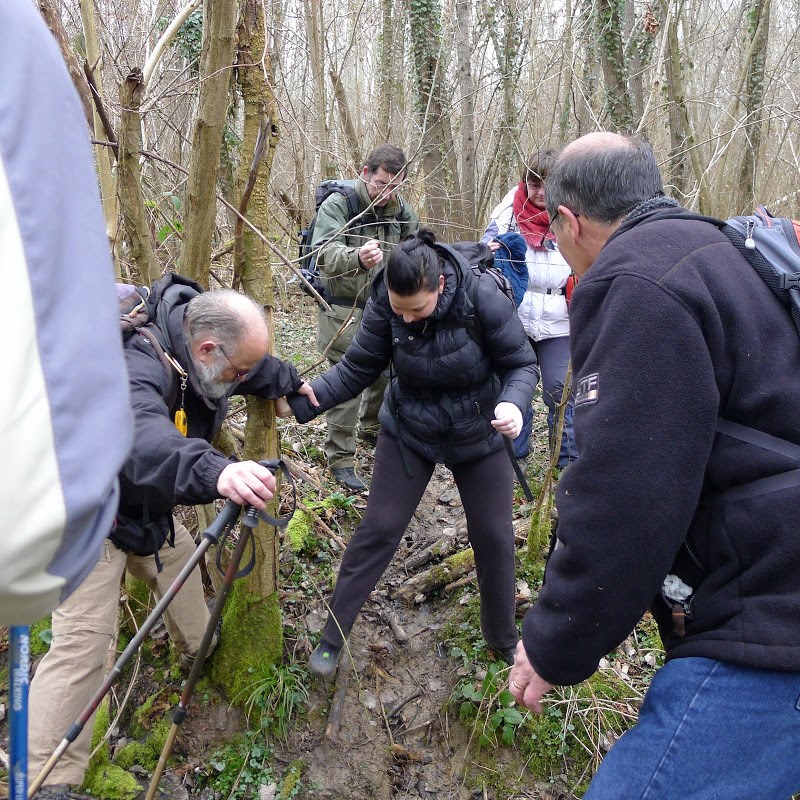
59, 791
186, 660
324, 659
348, 478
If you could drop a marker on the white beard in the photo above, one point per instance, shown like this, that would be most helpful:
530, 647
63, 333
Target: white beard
208, 379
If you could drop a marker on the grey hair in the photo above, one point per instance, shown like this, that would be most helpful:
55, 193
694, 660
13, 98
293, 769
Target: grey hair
603, 182
218, 313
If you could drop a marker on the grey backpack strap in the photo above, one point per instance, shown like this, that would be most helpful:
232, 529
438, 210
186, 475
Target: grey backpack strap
758, 438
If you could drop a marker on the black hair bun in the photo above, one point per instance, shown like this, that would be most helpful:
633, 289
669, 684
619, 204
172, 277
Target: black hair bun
427, 236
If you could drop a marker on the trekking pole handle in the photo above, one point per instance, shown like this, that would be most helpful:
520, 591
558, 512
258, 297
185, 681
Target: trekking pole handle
225, 519
252, 514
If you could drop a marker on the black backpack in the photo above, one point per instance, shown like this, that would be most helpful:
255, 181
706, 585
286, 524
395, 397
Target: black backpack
307, 253
145, 310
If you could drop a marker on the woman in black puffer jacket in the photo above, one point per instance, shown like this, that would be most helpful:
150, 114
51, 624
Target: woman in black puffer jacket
462, 371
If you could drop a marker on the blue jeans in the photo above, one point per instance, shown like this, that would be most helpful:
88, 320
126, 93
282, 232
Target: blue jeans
708, 730
553, 358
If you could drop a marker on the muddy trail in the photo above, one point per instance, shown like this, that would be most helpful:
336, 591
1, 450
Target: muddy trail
386, 726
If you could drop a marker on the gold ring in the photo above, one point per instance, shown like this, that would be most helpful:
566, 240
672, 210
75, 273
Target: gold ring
517, 686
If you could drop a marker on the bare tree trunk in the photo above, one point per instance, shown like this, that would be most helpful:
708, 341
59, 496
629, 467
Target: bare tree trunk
467, 89
131, 201
52, 18
633, 59
566, 75
438, 151
103, 155
505, 27
346, 117
753, 100
326, 166
219, 28
254, 600
387, 78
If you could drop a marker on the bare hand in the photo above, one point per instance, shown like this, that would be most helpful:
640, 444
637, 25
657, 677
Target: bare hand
508, 420
247, 483
493, 245
309, 393
282, 407
370, 254
523, 682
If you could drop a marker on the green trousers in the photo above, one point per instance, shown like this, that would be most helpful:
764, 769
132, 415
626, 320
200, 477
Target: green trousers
361, 411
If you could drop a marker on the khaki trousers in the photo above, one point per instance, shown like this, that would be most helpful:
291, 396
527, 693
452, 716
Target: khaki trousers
83, 627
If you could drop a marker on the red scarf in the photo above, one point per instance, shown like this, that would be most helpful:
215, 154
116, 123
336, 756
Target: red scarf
533, 223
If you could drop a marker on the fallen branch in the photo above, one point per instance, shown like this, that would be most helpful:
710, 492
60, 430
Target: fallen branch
397, 629
337, 705
438, 576
441, 548
472, 577
299, 472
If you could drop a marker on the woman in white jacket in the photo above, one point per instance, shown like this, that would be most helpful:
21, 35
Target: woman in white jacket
543, 310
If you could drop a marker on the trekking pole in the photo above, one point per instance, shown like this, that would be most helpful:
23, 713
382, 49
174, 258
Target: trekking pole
19, 647
225, 521
249, 522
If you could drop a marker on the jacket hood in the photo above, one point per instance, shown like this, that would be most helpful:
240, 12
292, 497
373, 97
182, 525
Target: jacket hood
456, 272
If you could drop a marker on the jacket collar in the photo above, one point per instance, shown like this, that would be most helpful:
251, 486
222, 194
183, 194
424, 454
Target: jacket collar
180, 349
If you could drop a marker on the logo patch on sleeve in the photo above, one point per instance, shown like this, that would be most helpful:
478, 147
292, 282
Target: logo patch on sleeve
587, 390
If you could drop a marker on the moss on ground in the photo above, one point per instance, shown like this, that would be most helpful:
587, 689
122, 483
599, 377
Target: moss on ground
291, 780
104, 779
145, 753
41, 635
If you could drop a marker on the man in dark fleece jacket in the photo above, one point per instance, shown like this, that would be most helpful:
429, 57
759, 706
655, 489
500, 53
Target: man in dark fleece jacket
686, 497
217, 344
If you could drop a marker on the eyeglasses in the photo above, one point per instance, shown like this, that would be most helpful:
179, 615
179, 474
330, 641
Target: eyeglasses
384, 188
241, 374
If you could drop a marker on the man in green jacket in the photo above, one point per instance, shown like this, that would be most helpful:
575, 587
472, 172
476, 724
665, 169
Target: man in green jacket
350, 251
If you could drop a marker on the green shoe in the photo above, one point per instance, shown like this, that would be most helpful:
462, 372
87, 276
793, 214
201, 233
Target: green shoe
324, 659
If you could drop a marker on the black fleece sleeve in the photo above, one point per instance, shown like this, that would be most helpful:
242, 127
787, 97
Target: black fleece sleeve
645, 411
367, 356
271, 378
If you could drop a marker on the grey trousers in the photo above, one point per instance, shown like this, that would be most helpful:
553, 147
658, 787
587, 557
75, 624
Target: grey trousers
342, 420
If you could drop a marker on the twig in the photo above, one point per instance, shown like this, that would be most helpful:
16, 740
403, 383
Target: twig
465, 581
299, 472
399, 707
101, 110
397, 629
258, 155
